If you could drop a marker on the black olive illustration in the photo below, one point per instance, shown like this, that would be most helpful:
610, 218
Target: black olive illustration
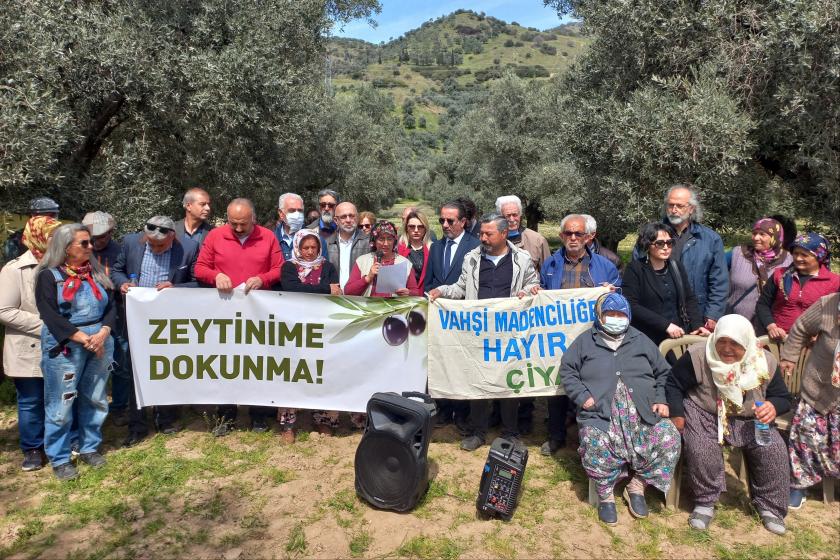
416, 322
395, 330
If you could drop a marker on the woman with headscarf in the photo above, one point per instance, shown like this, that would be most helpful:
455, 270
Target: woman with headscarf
717, 391
795, 288
73, 296
383, 243
814, 443
753, 264
616, 377
21, 349
309, 272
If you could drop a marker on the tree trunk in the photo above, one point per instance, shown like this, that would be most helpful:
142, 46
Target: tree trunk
533, 215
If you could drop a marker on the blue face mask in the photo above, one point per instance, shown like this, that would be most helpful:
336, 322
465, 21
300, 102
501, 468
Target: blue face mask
615, 325
295, 221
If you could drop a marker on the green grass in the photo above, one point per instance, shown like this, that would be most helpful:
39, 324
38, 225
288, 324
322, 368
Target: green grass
360, 543
296, 543
749, 552
428, 548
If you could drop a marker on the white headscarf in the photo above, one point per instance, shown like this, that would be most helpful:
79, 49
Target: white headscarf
733, 380
305, 267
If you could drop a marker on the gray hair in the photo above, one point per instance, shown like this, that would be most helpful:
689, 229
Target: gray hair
328, 192
56, 254
498, 219
243, 202
285, 196
581, 217
508, 199
591, 226
694, 200
189, 196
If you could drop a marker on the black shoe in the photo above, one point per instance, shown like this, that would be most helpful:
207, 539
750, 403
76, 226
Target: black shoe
551, 447
259, 426
636, 503
607, 513
463, 427
33, 460
119, 418
472, 443
66, 471
94, 459
133, 438
169, 429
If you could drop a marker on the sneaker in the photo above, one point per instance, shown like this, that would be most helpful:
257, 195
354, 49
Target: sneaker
772, 523
33, 460
222, 429
259, 426
607, 513
66, 471
287, 436
797, 498
472, 443
93, 459
701, 518
119, 418
551, 447
637, 504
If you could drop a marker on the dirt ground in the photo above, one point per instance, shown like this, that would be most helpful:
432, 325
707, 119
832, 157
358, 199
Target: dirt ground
249, 496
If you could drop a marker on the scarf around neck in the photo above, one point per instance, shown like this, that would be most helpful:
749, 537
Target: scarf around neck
76, 277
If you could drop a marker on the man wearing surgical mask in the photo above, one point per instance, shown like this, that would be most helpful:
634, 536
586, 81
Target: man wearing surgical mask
289, 221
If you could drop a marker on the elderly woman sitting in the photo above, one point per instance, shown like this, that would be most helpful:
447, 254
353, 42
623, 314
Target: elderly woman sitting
717, 391
616, 377
814, 444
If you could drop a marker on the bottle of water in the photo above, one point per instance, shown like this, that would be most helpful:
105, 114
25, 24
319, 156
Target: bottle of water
132, 279
762, 430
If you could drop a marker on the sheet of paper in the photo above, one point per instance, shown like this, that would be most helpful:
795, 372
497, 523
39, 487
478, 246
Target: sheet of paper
392, 277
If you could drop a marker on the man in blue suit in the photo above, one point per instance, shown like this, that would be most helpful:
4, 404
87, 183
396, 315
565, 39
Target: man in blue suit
446, 258
153, 258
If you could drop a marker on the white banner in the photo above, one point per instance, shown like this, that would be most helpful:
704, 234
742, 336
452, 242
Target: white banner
193, 346
505, 347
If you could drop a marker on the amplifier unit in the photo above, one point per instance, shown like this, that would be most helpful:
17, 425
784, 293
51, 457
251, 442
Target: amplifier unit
501, 480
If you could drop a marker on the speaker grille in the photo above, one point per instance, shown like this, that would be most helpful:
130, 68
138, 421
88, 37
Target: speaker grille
386, 469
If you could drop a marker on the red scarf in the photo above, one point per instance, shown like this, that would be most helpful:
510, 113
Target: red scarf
77, 275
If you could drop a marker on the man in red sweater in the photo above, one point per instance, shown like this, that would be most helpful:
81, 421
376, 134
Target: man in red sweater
240, 253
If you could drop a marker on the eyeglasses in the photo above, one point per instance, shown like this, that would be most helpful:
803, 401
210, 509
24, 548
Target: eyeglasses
85, 243
327, 204
678, 206
662, 243
415, 227
154, 227
449, 221
574, 234
346, 216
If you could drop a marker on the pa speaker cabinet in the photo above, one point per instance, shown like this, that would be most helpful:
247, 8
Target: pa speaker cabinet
391, 467
501, 479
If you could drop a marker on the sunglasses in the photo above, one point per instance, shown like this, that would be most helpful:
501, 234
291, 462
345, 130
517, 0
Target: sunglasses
85, 243
662, 243
164, 230
415, 227
327, 204
448, 221
574, 234
366, 226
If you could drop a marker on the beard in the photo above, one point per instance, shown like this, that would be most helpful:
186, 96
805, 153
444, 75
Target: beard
347, 228
676, 219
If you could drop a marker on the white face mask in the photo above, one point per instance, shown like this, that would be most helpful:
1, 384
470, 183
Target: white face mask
615, 325
295, 221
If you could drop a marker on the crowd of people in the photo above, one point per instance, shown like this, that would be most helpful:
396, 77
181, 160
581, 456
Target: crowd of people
62, 305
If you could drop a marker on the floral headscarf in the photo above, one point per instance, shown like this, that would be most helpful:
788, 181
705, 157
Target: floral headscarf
380, 229
733, 380
36, 234
305, 267
815, 244
777, 236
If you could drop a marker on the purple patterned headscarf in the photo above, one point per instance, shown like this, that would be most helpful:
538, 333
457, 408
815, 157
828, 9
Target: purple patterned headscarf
777, 236
381, 228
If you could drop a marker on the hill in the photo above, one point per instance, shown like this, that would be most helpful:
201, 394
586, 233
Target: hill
460, 52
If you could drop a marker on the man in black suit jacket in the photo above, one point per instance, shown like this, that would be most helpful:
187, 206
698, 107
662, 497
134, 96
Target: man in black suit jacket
455, 244
446, 258
155, 258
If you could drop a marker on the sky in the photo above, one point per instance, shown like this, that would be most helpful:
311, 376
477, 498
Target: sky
399, 16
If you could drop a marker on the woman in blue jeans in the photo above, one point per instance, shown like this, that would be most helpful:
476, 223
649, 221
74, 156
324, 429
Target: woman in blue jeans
73, 295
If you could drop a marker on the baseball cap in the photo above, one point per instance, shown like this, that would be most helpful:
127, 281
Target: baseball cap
99, 223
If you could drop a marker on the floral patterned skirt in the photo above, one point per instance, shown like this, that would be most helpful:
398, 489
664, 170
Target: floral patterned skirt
814, 446
651, 452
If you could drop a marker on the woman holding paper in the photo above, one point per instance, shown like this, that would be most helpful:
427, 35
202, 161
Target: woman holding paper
364, 276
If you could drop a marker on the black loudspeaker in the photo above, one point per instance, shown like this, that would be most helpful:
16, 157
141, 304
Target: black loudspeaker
391, 468
501, 479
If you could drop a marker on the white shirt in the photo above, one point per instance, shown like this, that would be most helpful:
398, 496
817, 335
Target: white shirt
494, 258
345, 248
454, 248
